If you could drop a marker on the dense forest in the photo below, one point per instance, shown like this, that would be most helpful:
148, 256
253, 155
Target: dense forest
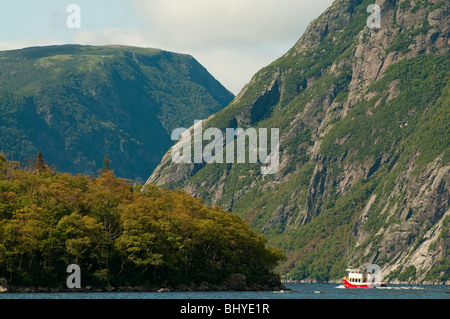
118, 235
77, 103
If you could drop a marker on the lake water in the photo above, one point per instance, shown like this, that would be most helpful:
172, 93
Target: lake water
297, 291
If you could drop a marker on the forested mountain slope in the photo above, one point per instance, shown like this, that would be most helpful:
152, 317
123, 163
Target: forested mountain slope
364, 119
77, 104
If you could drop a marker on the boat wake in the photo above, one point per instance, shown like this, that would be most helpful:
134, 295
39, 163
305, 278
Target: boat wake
390, 287
402, 288
282, 291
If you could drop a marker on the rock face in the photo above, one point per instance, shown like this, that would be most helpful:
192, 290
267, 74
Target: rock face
364, 146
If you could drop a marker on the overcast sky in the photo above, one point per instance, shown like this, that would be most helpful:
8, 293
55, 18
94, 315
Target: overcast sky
233, 39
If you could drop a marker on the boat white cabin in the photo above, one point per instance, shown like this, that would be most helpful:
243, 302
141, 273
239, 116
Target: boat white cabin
360, 279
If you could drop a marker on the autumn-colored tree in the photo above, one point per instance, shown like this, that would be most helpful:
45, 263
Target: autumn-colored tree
117, 234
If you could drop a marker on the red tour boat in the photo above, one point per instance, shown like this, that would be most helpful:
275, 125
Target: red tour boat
360, 279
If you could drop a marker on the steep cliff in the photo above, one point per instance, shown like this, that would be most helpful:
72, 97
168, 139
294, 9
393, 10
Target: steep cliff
364, 119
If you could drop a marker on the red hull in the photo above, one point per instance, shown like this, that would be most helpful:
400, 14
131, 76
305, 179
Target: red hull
348, 284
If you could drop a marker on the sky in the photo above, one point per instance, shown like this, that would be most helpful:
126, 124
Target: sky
232, 39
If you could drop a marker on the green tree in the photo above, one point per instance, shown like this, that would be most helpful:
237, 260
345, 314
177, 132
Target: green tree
40, 165
106, 164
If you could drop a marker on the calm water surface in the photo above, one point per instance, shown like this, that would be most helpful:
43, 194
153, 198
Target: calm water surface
298, 291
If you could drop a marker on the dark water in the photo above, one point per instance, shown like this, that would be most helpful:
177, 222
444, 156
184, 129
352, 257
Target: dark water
298, 291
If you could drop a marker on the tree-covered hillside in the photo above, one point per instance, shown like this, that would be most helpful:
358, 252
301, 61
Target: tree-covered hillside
118, 236
77, 104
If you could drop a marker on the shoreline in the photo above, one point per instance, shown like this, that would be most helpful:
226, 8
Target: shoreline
236, 282
203, 287
200, 288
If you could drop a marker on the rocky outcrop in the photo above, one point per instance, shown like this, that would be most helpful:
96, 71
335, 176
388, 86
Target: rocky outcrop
3, 285
419, 240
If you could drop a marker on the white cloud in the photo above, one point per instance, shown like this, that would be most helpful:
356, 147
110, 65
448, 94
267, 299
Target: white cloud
197, 23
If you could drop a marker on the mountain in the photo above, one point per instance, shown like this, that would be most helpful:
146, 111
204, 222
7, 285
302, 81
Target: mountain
364, 120
75, 104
